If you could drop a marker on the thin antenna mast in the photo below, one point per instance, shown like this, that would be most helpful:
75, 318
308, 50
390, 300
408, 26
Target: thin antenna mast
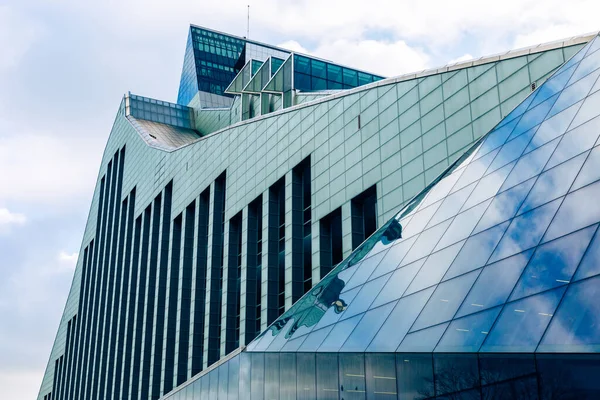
248, 25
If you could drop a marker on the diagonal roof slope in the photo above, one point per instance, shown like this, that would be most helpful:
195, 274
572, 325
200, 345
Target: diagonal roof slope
501, 253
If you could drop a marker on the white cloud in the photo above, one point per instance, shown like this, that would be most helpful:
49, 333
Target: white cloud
463, 58
68, 260
9, 219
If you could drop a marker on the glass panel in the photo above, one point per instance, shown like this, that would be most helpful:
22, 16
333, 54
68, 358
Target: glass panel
305, 364
393, 257
575, 142
287, 380
522, 323
363, 271
553, 85
397, 284
314, 339
476, 251
455, 372
553, 263
352, 376
271, 376
497, 137
223, 380
488, 186
575, 327
257, 376
434, 268
451, 205
381, 376
579, 209
588, 110
553, 127
468, 333
524, 388
339, 334
553, 183
327, 376
475, 170
368, 326
399, 322
504, 206
590, 63
244, 374
500, 367
365, 297
525, 231
569, 376
426, 242
444, 302
214, 384
422, 341
419, 220
415, 376
533, 117
512, 150
590, 265
530, 165
495, 284
574, 93
590, 171
462, 226
234, 379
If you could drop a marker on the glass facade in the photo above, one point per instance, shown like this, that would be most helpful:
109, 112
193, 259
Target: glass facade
482, 285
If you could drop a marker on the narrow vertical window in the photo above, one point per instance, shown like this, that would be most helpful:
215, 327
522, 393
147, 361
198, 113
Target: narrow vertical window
186, 292
232, 339
301, 230
253, 275
330, 241
364, 216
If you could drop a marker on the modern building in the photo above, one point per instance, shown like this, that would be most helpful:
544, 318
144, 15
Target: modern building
297, 229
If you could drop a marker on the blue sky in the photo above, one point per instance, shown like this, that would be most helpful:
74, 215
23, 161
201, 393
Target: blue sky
65, 64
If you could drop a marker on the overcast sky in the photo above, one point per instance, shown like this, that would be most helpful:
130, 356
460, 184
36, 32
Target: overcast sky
65, 64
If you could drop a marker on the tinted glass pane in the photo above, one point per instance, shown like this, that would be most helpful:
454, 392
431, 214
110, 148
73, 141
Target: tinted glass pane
579, 209
314, 339
497, 137
426, 242
381, 376
271, 376
244, 374
512, 150
495, 284
522, 323
468, 333
365, 297
257, 376
223, 380
234, 378
525, 231
576, 325
444, 302
571, 377
588, 110
501, 367
488, 186
553, 263
352, 376
462, 226
590, 63
393, 257
399, 322
363, 271
327, 376
553, 183
533, 117
574, 93
287, 380
524, 388
455, 372
415, 376
553, 127
306, 376
451, 205
474, 171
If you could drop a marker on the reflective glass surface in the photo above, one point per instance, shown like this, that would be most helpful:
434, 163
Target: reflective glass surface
478, 261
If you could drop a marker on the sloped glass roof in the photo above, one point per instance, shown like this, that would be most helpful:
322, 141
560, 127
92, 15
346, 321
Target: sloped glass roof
501, 253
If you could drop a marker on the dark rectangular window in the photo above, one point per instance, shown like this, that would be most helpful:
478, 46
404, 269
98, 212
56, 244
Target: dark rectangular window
234, 273
186, 292
363, 210
163, 266
200, 282
330, 240
301, 230
253, 273
216, 280
125, 262
276, 249
172, 307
